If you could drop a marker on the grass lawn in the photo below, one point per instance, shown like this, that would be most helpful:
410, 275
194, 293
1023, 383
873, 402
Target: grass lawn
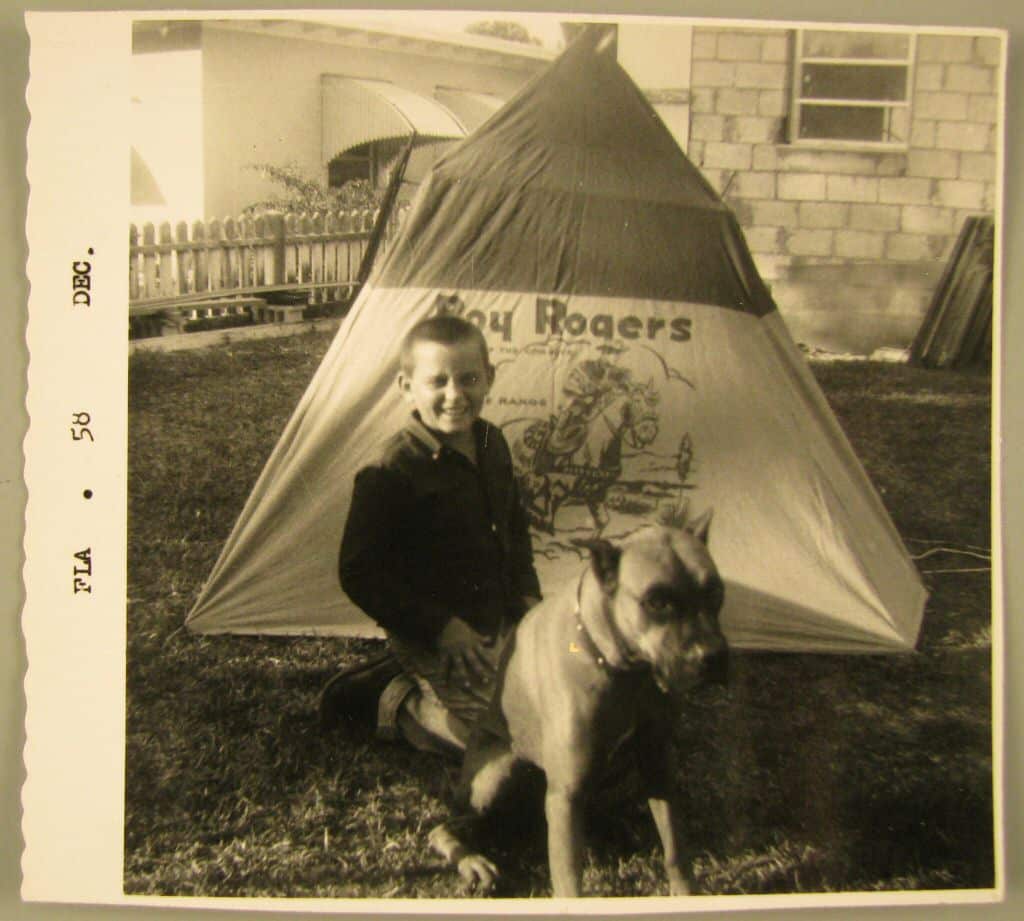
808, 774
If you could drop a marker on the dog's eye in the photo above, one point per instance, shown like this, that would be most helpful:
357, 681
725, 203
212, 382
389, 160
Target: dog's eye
659, 605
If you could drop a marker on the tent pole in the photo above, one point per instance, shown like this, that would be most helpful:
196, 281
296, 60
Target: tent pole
387, 206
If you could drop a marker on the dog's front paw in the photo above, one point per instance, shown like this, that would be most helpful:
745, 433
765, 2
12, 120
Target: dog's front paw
478, 873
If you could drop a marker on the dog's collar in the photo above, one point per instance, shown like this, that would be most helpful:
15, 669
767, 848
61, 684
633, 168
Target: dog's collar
629, 662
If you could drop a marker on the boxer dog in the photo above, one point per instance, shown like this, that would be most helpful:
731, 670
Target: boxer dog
586, 672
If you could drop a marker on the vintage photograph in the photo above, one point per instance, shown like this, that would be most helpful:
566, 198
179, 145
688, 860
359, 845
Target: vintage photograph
559, 458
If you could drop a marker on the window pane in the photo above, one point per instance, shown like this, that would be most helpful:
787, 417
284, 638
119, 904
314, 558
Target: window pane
855, 45
842, 123
842, 81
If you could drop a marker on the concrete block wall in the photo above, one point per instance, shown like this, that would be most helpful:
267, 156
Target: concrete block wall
811, 215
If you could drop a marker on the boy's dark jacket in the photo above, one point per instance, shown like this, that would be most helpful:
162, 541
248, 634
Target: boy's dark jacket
429, 536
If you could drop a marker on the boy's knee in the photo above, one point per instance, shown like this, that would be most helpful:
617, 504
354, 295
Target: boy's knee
428, 726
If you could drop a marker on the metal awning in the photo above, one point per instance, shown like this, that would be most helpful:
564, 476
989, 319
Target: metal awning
356, 111
145, 190
472, 108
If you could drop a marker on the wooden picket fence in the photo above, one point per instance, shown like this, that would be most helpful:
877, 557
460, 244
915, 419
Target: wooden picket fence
247, 269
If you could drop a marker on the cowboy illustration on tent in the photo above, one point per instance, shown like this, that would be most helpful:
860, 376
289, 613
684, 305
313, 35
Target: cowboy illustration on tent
576, 455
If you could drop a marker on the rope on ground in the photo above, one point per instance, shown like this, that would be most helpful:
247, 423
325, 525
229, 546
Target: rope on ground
972, 569
172, 635
979, 553
934, 550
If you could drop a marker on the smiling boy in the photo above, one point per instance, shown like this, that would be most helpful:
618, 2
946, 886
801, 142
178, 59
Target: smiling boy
436, 548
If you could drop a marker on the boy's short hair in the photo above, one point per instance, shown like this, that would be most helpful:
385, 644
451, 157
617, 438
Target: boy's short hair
446, 329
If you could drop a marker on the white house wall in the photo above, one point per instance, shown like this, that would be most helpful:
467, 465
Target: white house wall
657, 58
262, 102
166, 131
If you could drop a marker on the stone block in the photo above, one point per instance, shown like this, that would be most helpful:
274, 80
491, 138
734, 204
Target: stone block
774, 103
969, 78
809, 242
739, 46
941, 106
891, 164
751, 129
909, 302
712, 73
929, 77
859, 244
987, 50
818, 215
983, 109
775, 214
737, 102
922, 133
978, 166
761, 76
852, 188
971, 136
961, 193
715, 178
945, 49
753, 185
766, 157
794, 159
728, 156
878, 218
904, 190
764, 239
926, 219
771, 266
702, 100
742, 210
802, 186
936, 164
775, 48
907, 247
705, 44
707, 127
837, 275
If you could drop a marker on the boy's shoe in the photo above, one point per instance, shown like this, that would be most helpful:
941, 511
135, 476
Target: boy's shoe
353, 694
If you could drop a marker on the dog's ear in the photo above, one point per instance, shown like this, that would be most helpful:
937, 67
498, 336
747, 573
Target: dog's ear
604, 558
701, 525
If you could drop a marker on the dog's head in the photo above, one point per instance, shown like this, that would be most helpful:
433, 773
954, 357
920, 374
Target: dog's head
662, 595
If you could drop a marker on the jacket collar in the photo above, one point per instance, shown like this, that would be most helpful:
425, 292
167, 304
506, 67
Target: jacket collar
421, 435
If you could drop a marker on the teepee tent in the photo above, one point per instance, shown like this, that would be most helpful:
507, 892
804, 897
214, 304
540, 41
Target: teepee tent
640, 362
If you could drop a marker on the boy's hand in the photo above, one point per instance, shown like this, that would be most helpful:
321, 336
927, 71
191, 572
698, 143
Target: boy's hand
463, 653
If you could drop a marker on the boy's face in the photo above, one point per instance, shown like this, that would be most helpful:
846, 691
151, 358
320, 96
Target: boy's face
447, 384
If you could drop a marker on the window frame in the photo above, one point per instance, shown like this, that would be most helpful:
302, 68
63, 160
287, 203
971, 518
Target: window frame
797, 100
369, 159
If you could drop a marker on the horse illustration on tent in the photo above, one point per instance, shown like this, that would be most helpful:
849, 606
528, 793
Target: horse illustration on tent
640, 360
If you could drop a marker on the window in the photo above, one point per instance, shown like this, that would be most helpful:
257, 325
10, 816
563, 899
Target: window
356, 163
852, 89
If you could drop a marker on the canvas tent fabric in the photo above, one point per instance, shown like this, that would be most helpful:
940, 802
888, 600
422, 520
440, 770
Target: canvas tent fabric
640, 362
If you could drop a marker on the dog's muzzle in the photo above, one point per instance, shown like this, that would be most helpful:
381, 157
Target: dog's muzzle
703, 662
